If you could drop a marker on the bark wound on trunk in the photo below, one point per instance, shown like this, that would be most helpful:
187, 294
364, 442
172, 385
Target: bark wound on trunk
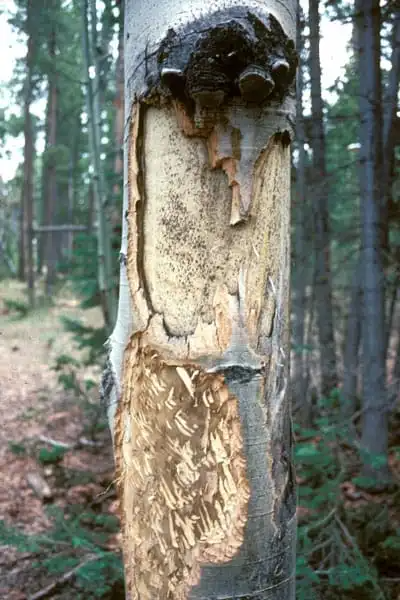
201, 428
179, 450
181, 472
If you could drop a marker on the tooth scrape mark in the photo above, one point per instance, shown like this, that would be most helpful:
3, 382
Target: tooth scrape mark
181, 473
184, 375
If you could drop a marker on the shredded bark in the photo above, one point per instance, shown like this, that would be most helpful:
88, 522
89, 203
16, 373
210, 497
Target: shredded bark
180, 471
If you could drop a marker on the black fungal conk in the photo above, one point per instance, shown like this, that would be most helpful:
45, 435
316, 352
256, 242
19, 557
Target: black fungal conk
230, 53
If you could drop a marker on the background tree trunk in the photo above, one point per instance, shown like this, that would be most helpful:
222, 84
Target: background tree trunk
72, 187
202, 433
118, 129
119, 105
352, 346
390, 139
50, 178
28, 160
105, 273
22, 240
301, 276
389, 132
375, 410
323, 289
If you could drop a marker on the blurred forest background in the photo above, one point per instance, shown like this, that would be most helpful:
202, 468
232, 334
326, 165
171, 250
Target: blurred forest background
60, 220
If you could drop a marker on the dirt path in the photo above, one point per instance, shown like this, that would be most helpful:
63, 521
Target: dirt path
33, 407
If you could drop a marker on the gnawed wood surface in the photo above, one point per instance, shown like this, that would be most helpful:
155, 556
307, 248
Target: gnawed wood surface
181, 473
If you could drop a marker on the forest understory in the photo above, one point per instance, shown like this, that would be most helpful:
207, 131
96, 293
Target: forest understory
57, 503
59, 514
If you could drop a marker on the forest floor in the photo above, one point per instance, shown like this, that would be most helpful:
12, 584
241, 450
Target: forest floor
50, 460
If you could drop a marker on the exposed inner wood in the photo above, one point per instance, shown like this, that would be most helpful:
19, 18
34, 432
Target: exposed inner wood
184, 199
180, 471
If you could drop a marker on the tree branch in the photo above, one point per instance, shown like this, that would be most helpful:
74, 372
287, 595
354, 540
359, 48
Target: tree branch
48, 590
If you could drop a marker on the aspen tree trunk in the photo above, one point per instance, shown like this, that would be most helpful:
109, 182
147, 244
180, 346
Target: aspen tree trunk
119, 108
198, 370
118, 127
29, 150
43, 187
374, 438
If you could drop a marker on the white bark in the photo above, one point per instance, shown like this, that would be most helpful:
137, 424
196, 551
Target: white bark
203, 309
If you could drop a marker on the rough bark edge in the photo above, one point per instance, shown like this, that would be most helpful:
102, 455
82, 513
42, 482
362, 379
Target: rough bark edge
108, 379
141, 307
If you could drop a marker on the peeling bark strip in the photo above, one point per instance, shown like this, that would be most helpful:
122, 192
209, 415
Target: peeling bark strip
181, 473
202, 426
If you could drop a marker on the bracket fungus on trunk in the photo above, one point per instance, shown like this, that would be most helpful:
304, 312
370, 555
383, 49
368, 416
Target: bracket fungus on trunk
226, 54
197, 375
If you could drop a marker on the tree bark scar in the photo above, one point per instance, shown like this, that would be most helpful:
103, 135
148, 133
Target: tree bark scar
181, 473
135, 267
171, 226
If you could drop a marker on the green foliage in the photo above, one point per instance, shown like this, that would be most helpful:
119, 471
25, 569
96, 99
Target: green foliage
392, 542
83, 268
89, 338
68, 381
64, 360
3, 127
17, 306
336, 547
55, 565
99, 577
77, 538
11, 536
52, 456
92, 340
14, 125
67, 367
17, 448
349, 578
56, 155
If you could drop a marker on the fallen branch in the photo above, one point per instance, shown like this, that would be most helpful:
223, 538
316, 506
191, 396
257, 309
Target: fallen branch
52, 442
39, 485
47, 228
81, 442
354, 545
45, 592
322, 522
91, 443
